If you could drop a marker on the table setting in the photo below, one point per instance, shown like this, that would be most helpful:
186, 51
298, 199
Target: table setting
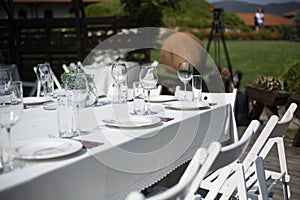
140, 139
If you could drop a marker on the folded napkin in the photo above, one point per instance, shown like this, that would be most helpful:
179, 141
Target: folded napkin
89, 144
166, 119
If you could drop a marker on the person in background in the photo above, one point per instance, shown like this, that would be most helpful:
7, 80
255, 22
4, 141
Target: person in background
259, 19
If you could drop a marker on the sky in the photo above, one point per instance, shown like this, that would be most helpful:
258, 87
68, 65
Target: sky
258, 1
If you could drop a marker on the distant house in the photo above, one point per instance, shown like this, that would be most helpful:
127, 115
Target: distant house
291, 14
270, 20
43, 8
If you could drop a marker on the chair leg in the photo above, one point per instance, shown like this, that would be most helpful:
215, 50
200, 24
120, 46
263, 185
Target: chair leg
282, 161
260, 171
283, 168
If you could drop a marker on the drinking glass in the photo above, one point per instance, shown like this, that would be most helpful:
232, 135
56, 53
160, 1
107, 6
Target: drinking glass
197, 87
184, 73
138, 98
77, 85
148, 78
44, 75
11, 108
119, 74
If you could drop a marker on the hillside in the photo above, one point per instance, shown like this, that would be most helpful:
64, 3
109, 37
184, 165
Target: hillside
243, 7
193, 13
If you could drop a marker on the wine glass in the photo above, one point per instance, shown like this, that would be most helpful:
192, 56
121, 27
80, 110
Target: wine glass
149, 79
77, 85
44, 75
5, 77
184, 73
11, 108
119, 74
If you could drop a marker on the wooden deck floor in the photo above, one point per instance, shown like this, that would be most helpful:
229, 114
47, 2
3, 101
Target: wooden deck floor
293, 162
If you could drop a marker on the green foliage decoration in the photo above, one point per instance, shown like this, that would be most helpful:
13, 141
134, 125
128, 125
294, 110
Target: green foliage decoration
291, 77
89, 77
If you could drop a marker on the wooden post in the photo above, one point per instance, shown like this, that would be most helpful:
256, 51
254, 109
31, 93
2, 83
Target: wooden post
79, 13
8, 8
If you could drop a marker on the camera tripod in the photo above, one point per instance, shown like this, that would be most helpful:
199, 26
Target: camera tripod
217, 34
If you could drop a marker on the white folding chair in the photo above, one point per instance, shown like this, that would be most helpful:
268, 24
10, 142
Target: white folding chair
228, 97
180, 94
263, 174
227, 165
56, 81
224, 98
15, 76
199, 166
72, 65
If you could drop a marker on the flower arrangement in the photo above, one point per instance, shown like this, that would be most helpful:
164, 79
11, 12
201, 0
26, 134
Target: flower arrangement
73, 68
269, 83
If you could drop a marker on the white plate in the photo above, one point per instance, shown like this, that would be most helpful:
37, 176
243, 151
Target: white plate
162, 98
132, 121
187, 105
46, 148
34, 100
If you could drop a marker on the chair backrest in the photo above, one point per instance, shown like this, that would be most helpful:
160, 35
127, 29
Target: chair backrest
15, 76
260, 142
285, 121
233, 152
273, 128
180, 94
198, 166
228, 97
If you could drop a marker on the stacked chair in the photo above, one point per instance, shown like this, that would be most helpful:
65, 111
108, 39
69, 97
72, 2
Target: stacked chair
255, 175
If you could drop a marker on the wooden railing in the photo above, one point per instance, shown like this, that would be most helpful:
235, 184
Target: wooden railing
26, 42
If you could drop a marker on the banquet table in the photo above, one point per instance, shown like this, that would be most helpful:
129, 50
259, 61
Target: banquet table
128, 159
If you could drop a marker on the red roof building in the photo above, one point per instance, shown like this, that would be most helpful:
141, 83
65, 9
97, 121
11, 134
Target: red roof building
270, 20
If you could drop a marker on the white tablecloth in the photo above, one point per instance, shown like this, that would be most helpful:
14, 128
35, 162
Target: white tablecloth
130, 159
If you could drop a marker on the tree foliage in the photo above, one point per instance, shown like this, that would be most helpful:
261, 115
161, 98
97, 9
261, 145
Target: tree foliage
149, 12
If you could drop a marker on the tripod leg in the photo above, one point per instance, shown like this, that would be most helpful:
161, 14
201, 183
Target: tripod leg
210, 37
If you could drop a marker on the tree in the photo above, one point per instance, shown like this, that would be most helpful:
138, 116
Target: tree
149, 12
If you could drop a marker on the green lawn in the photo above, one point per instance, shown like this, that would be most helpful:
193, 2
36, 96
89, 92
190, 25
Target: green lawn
255, 58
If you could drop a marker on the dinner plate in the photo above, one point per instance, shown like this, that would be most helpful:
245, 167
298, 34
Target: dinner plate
34, 100
46, 148
162, 98
132, 121
187, 105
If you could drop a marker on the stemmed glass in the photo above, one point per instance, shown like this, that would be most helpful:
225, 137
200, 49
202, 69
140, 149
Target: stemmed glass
11, 107
77, 85
149, 79
119, 74
44, 75
5, 77
184, 73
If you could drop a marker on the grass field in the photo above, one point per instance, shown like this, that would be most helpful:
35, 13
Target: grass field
255, 58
